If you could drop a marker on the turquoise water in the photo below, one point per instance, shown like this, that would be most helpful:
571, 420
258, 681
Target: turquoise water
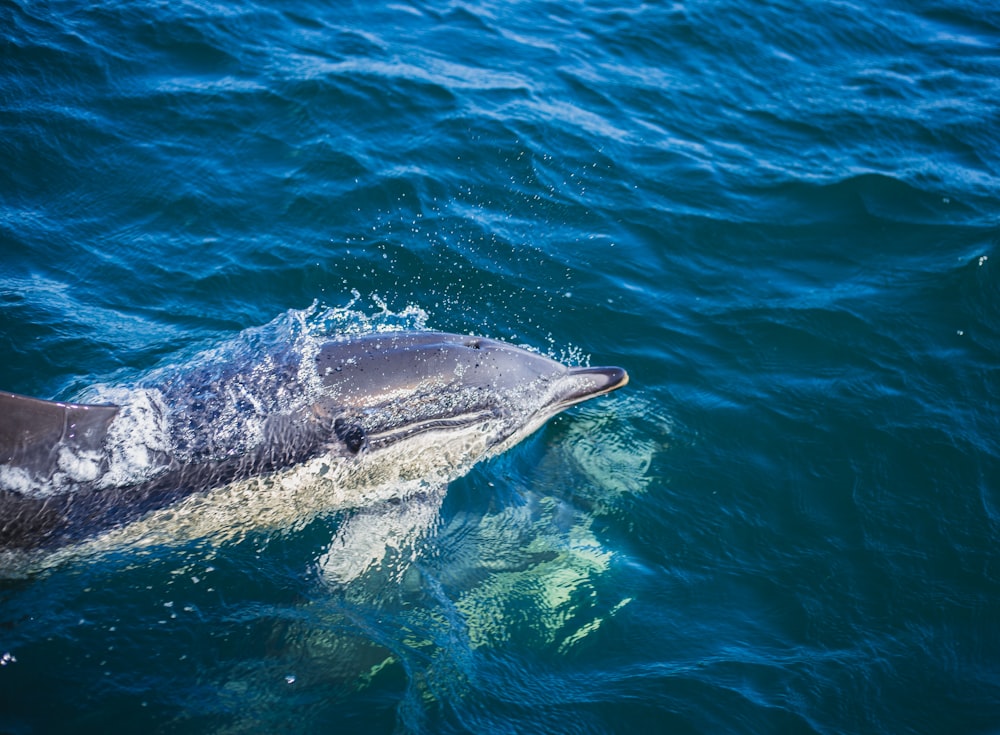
780, 218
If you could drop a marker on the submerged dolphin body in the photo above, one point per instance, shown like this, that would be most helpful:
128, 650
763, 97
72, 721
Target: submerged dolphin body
365, 400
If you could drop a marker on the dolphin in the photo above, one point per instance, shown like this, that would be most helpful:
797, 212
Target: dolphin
357, 401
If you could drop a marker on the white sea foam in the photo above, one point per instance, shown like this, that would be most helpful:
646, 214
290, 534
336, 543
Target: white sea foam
138, 440
18, 479
77, 467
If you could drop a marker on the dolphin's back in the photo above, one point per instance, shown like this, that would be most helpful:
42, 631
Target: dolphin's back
40, 507
33, 431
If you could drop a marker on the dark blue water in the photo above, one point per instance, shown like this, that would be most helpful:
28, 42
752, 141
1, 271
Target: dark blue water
781, 218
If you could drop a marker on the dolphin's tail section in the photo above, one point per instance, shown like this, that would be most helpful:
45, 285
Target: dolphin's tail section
33, 431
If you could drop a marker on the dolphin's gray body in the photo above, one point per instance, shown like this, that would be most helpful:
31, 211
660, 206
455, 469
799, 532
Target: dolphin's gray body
353, 398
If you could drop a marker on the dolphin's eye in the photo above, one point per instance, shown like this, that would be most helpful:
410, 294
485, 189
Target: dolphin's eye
475, 344
352, 435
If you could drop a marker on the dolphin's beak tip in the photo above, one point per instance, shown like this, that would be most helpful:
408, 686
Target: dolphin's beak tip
601, 380
609, 378
618, 377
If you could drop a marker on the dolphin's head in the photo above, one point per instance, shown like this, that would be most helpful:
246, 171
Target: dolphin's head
390, 386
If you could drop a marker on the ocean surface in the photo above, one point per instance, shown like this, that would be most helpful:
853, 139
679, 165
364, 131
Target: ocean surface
781, 218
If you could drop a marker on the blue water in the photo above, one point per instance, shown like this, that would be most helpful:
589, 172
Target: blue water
781, 218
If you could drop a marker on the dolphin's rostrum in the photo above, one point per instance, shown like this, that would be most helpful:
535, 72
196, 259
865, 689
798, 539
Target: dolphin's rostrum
349, 401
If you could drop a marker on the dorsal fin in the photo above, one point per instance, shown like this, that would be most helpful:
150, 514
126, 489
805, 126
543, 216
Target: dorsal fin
32, 431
